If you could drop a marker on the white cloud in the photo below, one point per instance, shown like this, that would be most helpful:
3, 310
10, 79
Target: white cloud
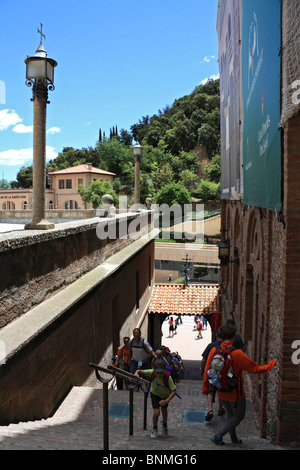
207, 59
212, 77
8, 117
14, 157
50, 153
22, 129
54, 130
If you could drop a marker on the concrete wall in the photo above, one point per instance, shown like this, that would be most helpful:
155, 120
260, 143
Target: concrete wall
46, 349
26, 215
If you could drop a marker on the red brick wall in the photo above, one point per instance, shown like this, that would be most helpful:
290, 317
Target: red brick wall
263, 294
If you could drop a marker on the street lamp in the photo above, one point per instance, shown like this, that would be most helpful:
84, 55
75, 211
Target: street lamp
39, 76
224, 250
137, 153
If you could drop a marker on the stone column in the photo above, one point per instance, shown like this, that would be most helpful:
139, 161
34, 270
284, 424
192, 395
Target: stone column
38, 221
137, 165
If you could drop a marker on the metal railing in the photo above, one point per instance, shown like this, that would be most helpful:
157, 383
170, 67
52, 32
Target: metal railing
132, 381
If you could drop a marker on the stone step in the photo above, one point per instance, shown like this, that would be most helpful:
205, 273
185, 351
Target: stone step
78, 424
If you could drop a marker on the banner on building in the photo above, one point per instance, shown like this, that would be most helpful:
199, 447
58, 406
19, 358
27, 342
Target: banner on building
229, 66
261, 42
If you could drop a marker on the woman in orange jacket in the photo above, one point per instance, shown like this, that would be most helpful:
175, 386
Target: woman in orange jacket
234, 401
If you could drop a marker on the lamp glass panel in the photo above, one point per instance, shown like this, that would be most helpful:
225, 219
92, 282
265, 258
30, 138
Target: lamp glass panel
50, 72
36, 69
223, 251
137, 151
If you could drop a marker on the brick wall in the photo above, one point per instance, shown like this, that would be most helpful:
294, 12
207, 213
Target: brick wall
50, 346
262, 293
35, 264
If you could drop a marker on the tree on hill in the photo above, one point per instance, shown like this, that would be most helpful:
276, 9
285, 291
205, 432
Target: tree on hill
95, 191
191, 120
174, 193
169, 139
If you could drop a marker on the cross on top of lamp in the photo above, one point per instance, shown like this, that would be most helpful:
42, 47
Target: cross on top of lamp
40, 70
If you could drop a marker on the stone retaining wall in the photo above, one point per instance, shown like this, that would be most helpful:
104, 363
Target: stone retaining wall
80, 297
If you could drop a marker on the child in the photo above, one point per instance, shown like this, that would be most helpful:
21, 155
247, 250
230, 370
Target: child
199, 328
160, 393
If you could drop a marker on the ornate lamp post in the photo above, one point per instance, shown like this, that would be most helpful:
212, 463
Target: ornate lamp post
224, 250
137, 153
39, 75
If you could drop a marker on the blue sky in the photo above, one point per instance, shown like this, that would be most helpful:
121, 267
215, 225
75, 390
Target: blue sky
118, 60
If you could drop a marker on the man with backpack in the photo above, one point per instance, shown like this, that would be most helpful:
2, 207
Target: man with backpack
224, 370
140, 351
210, 396
162, 390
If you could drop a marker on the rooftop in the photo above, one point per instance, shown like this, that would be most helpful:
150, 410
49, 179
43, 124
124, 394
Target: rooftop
175, 299
85, 168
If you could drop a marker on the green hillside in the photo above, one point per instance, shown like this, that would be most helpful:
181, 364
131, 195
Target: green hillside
170, 141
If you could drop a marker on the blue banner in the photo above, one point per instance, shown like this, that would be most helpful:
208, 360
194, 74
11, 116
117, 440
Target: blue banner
261, 62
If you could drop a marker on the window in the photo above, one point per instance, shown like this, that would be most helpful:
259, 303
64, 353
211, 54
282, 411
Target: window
61, 184
80, 181
137, 289
149, 270
69, 184
50, 181
9, 205
71, 204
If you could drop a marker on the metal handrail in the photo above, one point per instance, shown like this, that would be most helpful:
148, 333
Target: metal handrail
114, 371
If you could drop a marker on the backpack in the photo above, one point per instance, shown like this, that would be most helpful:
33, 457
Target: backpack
169, 373
143, 344
221, 374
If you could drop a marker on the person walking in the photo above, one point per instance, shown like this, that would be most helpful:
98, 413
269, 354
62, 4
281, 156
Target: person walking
162, 391
234, 401
171, 327
140, 352
199, 329
122, 360
175, 327
238, 341
210, 396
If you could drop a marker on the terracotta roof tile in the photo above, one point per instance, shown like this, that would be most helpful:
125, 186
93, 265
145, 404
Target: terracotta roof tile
178, 299
81, 169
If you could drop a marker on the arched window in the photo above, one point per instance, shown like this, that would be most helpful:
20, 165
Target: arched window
10, 205
71, 204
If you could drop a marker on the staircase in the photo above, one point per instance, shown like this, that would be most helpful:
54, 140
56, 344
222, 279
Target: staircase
77, 425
